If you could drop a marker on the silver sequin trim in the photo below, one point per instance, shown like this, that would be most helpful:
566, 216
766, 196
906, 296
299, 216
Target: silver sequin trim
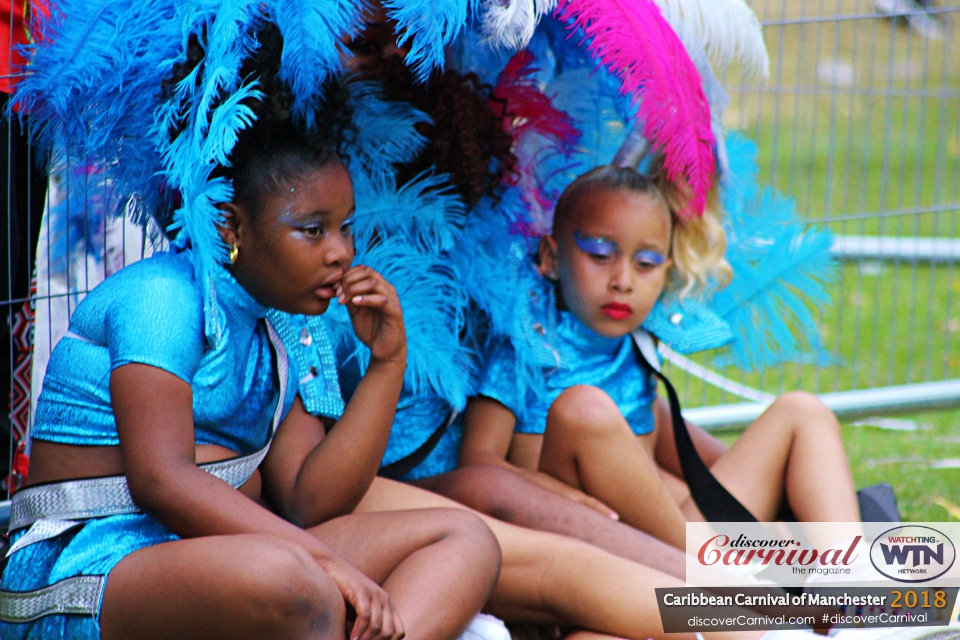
73, 596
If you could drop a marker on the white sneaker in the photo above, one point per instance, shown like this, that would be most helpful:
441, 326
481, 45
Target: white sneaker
485, 627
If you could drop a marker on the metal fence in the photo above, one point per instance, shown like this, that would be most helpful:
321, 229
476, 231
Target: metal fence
858, 122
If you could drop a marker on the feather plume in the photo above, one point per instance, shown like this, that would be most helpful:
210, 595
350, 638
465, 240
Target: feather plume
424, 212
433, 304
634, 42
313, 32
94, 72
531, 109
543, 137
404, 236
780, 268
427, 26
729, 29
189, 162
512, 24
385, 134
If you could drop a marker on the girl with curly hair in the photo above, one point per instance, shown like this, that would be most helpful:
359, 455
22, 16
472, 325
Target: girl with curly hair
616, 245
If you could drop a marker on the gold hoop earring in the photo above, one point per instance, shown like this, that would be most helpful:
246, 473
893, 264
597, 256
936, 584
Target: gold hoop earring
234, 252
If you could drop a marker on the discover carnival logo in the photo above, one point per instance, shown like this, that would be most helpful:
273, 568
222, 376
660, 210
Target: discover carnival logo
803, 560
912, 553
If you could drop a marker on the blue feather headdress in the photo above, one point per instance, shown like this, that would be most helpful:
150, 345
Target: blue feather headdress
94, 91
406, 234
780, 266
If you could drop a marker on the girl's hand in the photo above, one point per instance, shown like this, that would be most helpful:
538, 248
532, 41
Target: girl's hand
376, 617
375, 312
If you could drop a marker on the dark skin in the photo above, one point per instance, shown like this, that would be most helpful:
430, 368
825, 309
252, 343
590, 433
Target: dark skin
242, 571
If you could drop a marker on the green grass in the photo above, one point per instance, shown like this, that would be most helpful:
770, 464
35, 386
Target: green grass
903, 459
887, 141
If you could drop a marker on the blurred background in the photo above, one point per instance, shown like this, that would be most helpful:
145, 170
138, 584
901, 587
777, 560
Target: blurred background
858, 123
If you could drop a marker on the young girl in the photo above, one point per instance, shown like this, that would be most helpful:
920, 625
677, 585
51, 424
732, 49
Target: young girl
120, 534
596, 425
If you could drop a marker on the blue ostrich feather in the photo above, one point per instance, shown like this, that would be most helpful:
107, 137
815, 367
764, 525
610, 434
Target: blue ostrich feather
190, 161
93, 79
496, 264
424, 212
780, 266
313, 33
427, 27
433, 302
385, 134
431, 294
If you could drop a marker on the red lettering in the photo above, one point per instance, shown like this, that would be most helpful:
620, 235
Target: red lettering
703, 550
735, 554
853, 545
813, 558
824, 557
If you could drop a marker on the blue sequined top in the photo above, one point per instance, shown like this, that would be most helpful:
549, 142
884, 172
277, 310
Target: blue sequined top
581, 357
151, 312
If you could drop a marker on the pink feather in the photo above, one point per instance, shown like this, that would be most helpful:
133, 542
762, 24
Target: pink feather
634, 42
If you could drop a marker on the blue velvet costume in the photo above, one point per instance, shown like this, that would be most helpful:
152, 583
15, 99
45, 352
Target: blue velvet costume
580, 357
150, 312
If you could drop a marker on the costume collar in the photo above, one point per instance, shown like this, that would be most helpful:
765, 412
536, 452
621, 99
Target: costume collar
235, 301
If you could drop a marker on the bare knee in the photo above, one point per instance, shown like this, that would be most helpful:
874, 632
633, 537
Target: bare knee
294, 595
474, 537
585, 410
807, 411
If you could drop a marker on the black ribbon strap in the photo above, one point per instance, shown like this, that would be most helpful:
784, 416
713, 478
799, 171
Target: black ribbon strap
399, 468
712, 498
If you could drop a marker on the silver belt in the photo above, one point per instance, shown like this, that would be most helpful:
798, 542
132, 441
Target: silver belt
50, 510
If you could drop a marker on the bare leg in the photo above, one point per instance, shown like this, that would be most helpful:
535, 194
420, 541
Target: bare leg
507, 496
238, 587
589, 445
794, 448
438, 565
551, 579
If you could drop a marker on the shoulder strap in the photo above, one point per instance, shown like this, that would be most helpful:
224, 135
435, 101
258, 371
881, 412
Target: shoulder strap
712, 498
406, 464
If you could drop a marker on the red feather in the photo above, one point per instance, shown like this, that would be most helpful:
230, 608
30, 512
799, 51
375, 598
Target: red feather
539, 129
634, 42
528, 108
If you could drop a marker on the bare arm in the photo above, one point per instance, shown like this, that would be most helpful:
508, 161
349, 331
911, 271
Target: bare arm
313, 476
157, 447
487, 434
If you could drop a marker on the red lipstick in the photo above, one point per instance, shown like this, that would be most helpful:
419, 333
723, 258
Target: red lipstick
617, 310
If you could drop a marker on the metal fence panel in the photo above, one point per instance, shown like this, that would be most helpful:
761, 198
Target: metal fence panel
859, 123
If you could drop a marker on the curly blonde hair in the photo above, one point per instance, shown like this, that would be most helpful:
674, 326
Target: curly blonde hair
697, 244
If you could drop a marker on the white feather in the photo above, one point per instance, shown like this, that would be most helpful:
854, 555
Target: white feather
729, 28
511, 24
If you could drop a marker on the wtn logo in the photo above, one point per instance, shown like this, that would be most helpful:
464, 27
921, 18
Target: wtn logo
912, 553
898, 554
